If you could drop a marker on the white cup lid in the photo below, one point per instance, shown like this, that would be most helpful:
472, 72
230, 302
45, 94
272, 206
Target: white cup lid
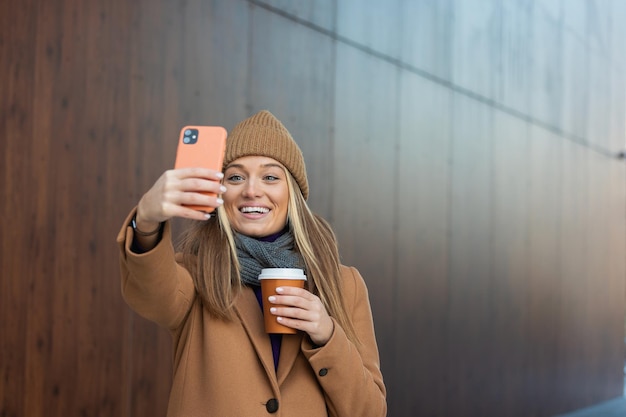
282, 273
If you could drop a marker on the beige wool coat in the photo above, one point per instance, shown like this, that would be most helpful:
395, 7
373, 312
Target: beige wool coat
226, 369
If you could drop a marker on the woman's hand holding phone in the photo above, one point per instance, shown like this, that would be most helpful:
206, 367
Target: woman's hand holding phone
176, 192
191, 190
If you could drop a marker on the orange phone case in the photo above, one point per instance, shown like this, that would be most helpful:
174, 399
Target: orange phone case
201, 146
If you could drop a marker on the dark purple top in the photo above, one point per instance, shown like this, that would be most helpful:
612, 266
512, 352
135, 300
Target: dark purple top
275, 339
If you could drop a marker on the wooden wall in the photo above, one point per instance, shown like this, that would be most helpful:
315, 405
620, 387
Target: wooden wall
465, 152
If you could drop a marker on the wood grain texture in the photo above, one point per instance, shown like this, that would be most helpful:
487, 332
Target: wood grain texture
463, 152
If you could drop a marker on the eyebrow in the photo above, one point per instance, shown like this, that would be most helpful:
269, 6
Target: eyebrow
270, 165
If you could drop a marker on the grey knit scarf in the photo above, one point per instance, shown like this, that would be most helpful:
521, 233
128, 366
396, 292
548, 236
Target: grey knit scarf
255, 255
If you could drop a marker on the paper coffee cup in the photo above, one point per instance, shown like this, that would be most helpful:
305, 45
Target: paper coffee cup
278, 277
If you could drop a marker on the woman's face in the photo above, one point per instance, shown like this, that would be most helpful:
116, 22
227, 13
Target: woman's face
257, 195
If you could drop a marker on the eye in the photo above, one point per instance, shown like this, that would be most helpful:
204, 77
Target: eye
271, 177
234, 178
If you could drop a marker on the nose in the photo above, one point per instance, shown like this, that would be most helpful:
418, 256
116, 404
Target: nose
251, 189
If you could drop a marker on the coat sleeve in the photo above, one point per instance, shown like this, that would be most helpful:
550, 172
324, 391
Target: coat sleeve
349, 374
154, 284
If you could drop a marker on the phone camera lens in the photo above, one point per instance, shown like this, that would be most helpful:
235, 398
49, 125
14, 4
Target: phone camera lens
186, 139
188, 132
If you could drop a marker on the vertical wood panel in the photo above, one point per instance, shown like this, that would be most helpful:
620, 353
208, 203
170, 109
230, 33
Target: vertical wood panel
36, 279
16, 107
143, 155
600, 103
509, 287
546, 67
210, 62
426, 36
469, 332
544, 279
616, 260
513, 82
321, 12
99, 374
575, 16
371, 24
422, 248
617, 110
575, 94
605, 341
475, 48
616, 35
574, 260
365, 159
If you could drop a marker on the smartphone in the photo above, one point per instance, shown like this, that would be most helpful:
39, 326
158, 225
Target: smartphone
201, 146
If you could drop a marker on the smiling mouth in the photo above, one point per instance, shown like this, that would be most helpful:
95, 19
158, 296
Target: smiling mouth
255, 210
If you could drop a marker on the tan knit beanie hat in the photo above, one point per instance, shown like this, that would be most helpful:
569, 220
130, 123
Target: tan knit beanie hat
264, 135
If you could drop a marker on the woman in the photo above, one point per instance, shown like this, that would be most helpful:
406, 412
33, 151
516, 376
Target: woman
208, 295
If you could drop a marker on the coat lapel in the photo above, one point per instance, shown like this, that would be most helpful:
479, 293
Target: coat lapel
248, 310
289, 350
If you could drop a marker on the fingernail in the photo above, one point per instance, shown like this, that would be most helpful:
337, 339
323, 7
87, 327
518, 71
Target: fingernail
222, 188
220, 201
207, 215
271, 298
279, 290
220, 175
273, 310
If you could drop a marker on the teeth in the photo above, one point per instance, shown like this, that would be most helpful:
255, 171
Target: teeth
254, 210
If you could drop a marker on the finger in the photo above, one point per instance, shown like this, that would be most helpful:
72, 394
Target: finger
173, 182
295, 313
292, 301
318, 332
300, 292
200, 184
294, 324
193, 198
198, 172
190, 212
173, 191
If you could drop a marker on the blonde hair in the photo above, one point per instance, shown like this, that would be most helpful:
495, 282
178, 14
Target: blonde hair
210, 254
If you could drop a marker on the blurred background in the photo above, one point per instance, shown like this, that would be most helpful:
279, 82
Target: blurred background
465, 151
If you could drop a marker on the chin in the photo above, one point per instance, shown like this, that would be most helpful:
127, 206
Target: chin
256, 232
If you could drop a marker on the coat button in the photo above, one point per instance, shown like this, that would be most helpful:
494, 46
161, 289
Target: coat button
272, 405
323, 372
